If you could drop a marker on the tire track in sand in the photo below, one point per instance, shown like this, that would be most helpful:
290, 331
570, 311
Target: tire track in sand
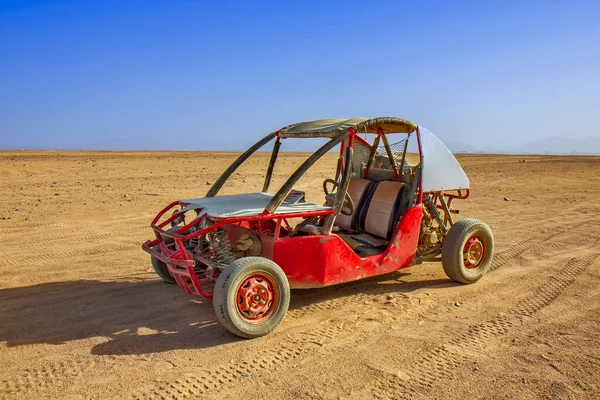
37, 237
348, 295
199, 384
51, 375
438, 363
503, 258
82, 236
441, 358
67, 254
14, 229
62, 372
33, 228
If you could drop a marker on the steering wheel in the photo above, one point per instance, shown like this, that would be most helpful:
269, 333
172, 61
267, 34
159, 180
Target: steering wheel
347, 205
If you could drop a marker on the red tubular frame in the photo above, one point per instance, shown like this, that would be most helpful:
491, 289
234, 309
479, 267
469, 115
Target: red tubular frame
262, 217
308, 261
179, 262
420, 193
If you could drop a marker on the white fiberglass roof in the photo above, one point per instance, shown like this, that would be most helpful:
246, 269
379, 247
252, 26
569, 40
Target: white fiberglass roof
245, 205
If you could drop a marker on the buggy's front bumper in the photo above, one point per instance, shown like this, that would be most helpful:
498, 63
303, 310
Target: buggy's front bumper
148, 248
182, 270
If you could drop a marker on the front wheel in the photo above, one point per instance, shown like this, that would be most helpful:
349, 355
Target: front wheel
160, 267
162, 270
467, 250
251, 297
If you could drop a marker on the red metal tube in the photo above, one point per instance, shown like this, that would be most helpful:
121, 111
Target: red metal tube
262, 217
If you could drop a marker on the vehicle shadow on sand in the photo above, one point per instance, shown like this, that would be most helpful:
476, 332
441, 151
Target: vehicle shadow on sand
141, 316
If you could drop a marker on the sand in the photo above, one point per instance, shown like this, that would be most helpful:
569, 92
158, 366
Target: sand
82, 314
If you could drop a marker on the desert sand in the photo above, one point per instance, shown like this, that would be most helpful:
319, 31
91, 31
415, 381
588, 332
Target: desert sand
83, 315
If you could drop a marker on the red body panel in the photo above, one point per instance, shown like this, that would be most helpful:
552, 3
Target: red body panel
322, 260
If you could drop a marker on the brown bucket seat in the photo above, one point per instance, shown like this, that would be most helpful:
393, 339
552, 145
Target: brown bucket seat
376, 216
358, 190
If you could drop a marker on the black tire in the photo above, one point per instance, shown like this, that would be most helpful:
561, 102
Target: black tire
160, 267
453, 258
162, 270
225, 296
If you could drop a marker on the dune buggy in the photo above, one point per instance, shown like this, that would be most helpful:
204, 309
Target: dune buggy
379, 214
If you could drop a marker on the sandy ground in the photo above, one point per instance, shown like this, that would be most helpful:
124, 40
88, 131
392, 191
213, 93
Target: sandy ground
82, 314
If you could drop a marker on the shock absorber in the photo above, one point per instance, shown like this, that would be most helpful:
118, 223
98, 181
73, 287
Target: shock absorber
434, 212
194, 243
220, 246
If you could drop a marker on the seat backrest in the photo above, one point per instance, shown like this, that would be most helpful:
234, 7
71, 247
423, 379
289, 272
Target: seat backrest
382, 210
357, 189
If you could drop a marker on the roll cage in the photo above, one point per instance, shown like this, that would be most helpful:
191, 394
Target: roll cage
346, 133
346, 138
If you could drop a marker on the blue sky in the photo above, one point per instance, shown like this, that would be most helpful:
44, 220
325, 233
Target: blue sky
219, 75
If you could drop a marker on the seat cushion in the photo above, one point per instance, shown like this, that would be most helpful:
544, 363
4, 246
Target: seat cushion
357, 189
383, 209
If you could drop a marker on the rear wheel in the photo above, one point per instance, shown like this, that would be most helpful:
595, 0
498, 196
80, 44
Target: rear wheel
251, 297
467, 250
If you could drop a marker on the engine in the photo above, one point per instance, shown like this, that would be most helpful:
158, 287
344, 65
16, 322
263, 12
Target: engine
432, 232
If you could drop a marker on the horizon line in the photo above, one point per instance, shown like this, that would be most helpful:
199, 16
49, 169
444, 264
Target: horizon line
25, 150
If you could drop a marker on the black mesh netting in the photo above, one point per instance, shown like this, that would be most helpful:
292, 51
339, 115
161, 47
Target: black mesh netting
381, 169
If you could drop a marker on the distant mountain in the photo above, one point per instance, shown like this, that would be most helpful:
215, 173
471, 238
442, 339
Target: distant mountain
552, 145
457, 147
558, 145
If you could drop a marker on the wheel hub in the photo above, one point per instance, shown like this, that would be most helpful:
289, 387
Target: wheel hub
473, 252
256, 298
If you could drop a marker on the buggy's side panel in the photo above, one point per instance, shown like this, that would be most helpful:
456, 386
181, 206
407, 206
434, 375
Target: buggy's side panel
323, 260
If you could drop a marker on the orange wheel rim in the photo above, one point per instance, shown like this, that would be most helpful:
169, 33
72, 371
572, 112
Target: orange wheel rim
257, 298
473, 252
